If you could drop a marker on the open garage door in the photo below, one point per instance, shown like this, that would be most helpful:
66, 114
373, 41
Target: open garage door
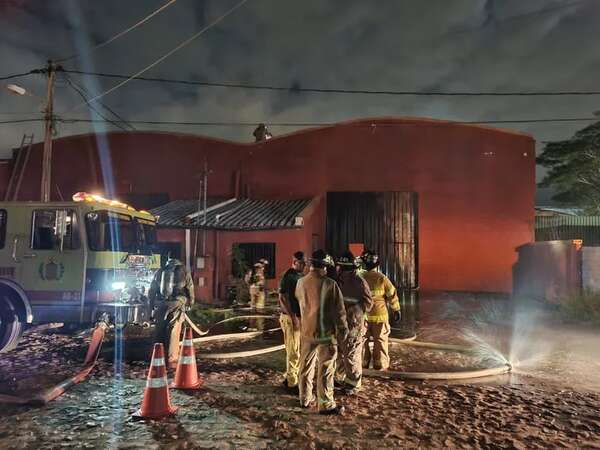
382, 221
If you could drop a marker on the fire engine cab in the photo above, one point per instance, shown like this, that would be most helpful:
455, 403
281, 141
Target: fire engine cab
72, 261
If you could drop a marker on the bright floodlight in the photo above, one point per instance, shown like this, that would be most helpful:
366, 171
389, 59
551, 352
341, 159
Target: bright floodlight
18, 90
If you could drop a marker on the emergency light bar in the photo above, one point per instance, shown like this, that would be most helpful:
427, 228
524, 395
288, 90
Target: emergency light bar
94, 198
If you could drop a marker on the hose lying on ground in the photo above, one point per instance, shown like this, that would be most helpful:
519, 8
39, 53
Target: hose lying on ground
50, 394
392, 374
369, 373
233, 336
200, 332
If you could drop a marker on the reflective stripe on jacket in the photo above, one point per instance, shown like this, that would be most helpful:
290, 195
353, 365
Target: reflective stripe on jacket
382, 291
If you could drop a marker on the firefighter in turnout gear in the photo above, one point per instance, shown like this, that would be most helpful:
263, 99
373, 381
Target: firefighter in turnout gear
378, 327
358, 302
323, 319
171, 291
257, 285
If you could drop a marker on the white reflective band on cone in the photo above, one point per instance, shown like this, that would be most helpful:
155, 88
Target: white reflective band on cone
188, 342
157, 362
186, 359
156, 382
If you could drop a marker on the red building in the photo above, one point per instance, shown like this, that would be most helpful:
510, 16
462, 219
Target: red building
446, 204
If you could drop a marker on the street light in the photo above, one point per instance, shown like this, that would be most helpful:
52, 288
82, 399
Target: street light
17, 90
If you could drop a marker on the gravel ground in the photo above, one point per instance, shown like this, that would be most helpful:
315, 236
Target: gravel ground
243, 406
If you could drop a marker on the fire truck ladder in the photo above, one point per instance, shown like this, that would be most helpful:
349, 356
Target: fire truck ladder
18, 171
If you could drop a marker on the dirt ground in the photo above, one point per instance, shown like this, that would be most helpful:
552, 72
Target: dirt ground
243, 405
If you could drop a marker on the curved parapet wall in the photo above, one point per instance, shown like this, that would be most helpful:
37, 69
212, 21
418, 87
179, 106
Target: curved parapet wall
475, 185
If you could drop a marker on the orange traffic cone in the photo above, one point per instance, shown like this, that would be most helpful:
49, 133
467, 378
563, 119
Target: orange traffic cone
186, 375
156, 403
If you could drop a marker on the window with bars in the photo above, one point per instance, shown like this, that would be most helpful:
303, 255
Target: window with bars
245, 255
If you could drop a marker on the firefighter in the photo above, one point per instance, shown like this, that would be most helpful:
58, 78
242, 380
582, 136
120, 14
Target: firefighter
323, 318
290, 320
171, 291
257, 285
358, 302
378, 327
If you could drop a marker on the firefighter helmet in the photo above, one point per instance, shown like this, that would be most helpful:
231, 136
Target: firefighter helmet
321, 259
347, 261
370, 259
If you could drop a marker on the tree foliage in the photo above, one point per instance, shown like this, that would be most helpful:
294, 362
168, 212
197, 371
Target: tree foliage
574, 169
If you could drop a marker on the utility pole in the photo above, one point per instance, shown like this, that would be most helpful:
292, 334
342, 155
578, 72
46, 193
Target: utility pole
46, 185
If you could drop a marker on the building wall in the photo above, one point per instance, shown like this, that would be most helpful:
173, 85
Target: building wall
475, 185
212, 280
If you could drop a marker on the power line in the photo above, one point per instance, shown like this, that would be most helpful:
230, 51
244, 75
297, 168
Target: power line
169, 53
4, 122
80, 90
312, 124
124, 32
316, 124
294, 89
92, 107
17, 75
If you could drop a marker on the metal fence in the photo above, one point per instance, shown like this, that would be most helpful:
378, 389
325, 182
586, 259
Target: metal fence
556, 228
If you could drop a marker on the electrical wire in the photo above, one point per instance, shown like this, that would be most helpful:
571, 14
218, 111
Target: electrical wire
169, 53
122, 33
5, 122
80, 90
93, 108
316, 124
294, 89
17, 75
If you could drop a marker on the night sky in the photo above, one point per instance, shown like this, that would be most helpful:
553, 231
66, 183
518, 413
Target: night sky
416, 45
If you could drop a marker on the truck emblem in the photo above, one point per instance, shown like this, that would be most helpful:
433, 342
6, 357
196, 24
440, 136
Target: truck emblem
51, 271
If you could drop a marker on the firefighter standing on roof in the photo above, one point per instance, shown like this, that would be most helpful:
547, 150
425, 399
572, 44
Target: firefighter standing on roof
378, 327
172, 289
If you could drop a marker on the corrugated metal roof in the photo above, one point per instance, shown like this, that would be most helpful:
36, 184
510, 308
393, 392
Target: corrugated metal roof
233, 214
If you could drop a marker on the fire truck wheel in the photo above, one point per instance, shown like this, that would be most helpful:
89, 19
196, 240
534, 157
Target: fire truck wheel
11, 325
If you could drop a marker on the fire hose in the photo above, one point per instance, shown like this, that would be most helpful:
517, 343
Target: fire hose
200, 332
54, 392
386, 374
97, 338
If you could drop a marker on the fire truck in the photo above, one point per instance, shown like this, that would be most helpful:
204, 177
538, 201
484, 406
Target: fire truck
73, 261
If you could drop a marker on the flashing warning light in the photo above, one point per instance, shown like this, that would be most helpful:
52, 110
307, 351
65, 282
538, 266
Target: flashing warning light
94, 198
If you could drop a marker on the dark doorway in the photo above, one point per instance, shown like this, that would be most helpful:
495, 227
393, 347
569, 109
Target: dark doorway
382, 221
250, 254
